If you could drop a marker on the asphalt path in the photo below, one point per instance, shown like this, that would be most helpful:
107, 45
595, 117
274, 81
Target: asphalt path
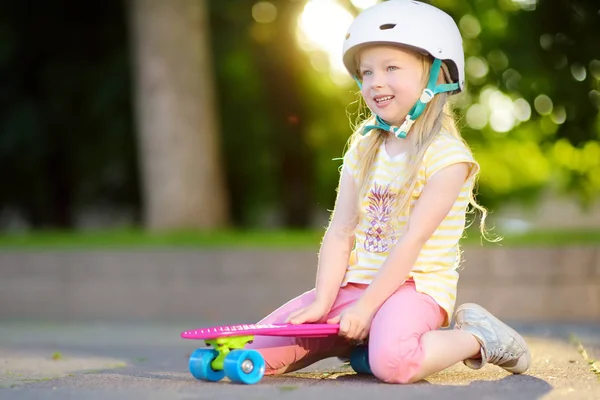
129, 360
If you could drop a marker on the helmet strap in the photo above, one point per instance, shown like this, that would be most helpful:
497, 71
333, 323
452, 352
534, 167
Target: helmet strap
428, 93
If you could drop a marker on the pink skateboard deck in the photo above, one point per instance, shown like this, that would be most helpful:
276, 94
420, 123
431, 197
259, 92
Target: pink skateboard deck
303, 330
227, 356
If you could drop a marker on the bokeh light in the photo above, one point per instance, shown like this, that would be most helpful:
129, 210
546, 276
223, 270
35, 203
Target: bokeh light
578, 71
264, 12
469, 26
543, 104
527, 5
595, 69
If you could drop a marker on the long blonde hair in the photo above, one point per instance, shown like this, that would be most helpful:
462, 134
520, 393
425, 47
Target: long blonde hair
438, 116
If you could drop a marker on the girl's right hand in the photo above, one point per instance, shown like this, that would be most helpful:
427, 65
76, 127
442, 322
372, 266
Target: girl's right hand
314, 312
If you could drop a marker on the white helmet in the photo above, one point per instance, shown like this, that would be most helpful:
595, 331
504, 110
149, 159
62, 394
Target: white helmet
409, 23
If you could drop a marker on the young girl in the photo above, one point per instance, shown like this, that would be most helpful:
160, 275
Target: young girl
388, 261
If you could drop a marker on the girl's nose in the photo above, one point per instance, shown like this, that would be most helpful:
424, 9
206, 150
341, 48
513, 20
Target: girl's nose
377, 80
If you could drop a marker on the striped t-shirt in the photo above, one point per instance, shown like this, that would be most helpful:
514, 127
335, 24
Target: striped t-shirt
435, 271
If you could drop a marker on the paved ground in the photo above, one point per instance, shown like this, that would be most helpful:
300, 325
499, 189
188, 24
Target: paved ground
149, 361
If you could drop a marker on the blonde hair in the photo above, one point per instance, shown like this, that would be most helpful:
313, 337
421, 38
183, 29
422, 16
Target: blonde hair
438, 116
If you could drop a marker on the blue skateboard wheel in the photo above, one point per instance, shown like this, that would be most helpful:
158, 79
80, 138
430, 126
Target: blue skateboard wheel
359, 360
200, 367
244, 366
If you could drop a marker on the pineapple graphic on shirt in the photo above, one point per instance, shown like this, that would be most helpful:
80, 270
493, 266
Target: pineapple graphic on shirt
380, 234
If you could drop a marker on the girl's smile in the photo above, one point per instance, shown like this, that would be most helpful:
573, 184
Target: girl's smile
392, 80
383, 100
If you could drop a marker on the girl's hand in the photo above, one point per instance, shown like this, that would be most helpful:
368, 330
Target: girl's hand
314, 312
355, 322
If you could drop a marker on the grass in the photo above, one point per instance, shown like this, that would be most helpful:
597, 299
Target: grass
546, 238
284, 239
584, 354
181, 239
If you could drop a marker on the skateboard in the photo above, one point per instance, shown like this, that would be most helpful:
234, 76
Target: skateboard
227, 357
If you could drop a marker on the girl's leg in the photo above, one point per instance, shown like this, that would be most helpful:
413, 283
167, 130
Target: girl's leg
478, 338
443, 349
286, 354
404, 344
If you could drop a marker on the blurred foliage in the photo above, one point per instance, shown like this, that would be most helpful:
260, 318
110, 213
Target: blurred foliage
67, 140
545, 54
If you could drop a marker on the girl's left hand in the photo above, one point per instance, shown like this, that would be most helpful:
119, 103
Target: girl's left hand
355, 322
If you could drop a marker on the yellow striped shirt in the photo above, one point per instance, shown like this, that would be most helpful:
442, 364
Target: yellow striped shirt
435, 271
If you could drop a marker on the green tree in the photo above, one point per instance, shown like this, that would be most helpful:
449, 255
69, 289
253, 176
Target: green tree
177, 126
541, 55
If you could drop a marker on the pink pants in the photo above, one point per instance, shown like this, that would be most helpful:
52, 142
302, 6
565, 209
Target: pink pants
395, 351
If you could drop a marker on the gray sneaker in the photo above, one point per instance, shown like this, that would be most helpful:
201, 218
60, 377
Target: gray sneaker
500, 344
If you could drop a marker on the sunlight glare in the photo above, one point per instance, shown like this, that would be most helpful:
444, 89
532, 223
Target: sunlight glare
321, 27
364, 4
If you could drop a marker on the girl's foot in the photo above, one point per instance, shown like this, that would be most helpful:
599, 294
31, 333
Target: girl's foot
500, 344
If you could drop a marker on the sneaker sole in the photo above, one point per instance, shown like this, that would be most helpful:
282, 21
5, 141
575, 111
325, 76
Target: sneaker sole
518, 369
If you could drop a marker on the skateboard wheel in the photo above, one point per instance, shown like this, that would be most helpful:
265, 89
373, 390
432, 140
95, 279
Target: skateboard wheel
244, 366
359, 360
200, 367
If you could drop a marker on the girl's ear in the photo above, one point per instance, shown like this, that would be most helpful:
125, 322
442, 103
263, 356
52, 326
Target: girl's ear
445, 75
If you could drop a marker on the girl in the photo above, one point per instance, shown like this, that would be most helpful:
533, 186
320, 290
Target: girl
388, 261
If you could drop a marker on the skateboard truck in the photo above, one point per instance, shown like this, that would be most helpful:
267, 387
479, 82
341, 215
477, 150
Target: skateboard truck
224, 346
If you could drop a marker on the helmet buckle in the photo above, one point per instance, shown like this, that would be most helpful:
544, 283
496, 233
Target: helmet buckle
426, 96
402, 131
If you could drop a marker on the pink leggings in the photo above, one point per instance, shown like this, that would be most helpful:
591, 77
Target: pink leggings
395, 351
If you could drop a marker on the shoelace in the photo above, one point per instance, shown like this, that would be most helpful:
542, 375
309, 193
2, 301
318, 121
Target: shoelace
500, 356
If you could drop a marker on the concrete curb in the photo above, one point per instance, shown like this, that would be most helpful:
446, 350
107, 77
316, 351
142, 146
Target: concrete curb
530, 284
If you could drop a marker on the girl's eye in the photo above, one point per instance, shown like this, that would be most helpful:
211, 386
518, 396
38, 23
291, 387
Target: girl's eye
392, 68
366, 73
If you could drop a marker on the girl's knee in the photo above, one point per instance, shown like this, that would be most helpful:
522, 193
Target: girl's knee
399, 365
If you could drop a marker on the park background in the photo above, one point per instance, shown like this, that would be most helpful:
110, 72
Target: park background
161, 156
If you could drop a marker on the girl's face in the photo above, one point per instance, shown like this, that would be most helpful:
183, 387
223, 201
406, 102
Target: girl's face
392, 81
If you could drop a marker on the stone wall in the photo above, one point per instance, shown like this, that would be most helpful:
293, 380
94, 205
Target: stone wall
545, 284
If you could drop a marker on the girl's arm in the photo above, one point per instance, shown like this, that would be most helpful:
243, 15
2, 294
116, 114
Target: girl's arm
436, 201
337, 242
